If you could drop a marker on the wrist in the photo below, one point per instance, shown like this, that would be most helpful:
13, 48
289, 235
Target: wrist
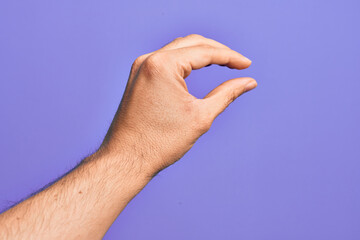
125, 160
133, 149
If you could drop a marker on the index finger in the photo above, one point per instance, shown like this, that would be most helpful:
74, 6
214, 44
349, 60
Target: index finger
188, 41
196, 57
191, 40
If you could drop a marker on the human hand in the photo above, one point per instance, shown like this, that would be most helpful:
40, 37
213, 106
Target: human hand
158, 120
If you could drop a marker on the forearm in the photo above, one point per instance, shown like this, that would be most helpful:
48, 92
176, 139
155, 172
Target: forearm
157, 122
81, 205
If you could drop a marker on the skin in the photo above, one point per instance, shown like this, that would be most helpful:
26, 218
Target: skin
157, 122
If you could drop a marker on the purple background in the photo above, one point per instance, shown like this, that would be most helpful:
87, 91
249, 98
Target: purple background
281, 163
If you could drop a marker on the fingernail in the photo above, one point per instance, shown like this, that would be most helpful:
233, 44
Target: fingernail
251, 85
248, 59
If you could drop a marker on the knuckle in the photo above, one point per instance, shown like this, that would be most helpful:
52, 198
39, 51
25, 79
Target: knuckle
153, 63
231, 97
138, 61
154, 60
195, 36
178, 39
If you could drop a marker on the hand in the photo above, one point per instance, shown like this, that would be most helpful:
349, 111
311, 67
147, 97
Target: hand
158, 120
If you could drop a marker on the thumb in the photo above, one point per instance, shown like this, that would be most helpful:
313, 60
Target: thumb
220, 97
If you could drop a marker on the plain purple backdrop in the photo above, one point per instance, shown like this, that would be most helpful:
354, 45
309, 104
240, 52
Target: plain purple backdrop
281, 163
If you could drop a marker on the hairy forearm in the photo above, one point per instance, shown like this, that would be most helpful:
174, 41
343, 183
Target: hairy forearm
81, 205
157, 122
